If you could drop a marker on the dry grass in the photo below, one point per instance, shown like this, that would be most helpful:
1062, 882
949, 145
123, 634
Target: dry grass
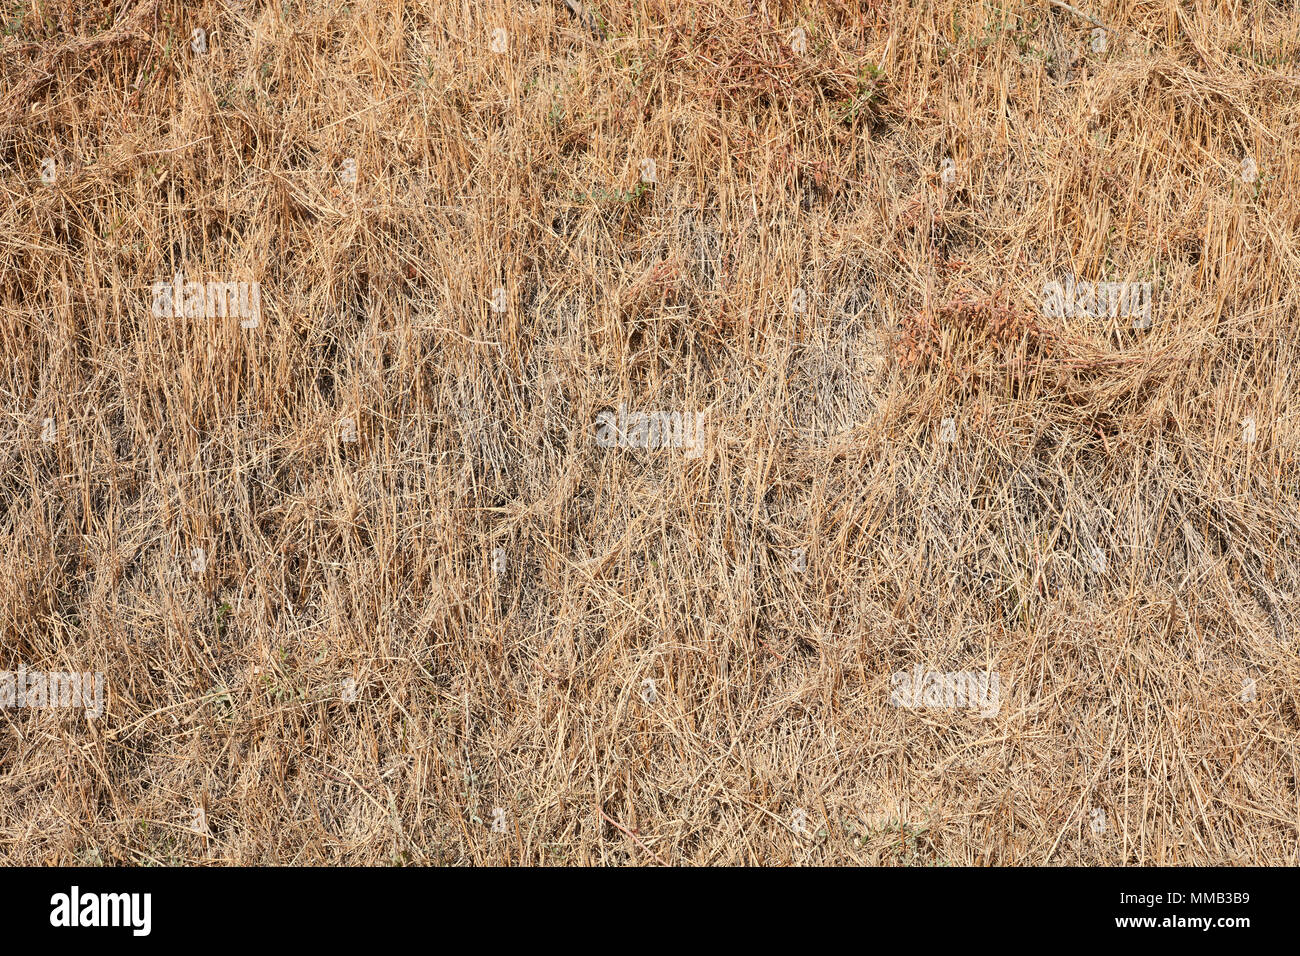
776, 170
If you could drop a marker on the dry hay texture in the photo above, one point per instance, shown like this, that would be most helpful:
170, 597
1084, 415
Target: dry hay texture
314, 652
